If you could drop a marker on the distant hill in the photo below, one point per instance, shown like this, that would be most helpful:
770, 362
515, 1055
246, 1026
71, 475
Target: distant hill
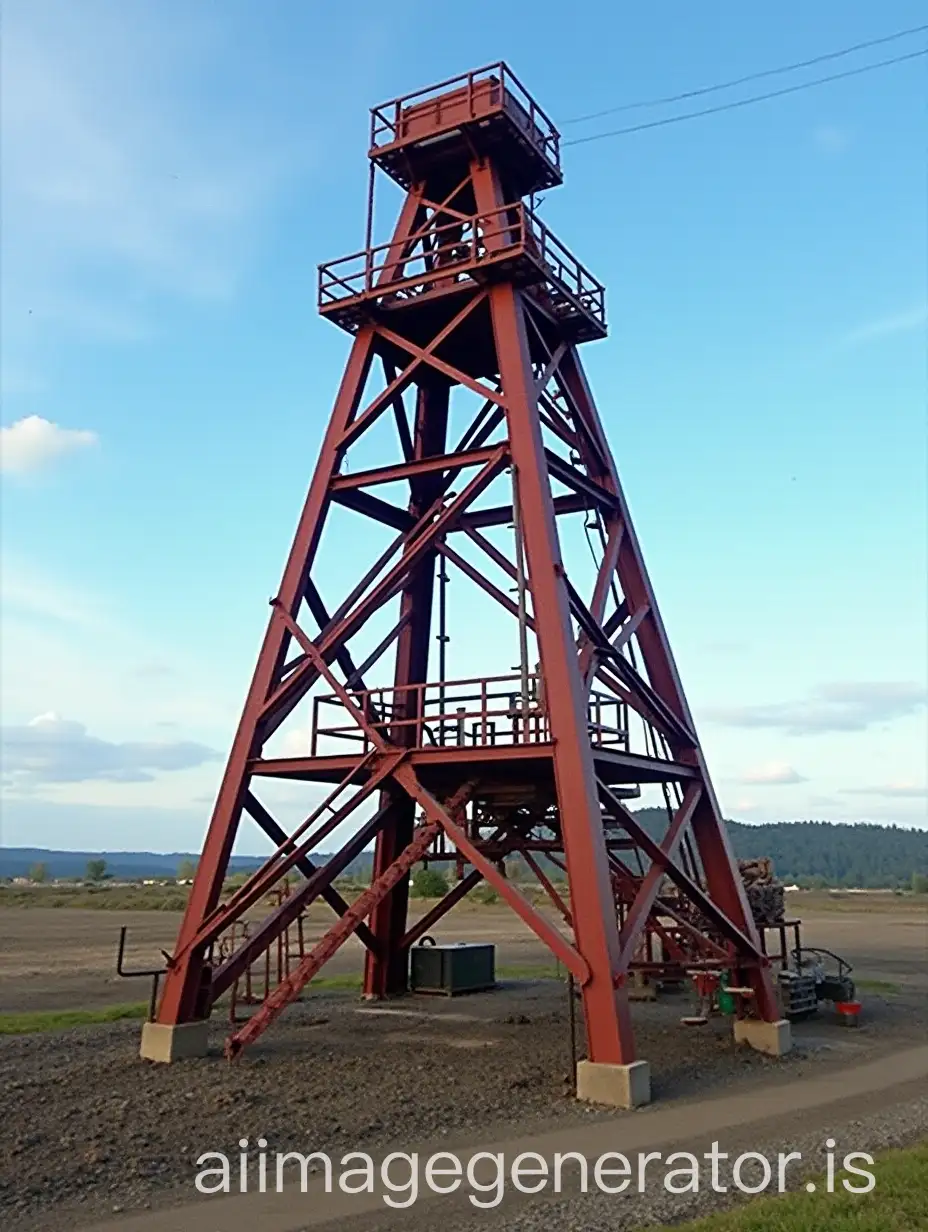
864, 855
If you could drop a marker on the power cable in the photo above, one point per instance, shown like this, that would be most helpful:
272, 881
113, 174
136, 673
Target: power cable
745, 102
740, 81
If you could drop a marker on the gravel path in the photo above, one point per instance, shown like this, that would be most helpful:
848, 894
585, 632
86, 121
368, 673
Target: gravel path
902, 1125
90, 1129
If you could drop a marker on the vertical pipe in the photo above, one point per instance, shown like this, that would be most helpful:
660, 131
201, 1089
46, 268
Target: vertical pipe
369, 230
572, 1020
523, 615
442, 639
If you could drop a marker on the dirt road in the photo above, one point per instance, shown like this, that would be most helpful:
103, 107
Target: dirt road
65, 958
736, 1123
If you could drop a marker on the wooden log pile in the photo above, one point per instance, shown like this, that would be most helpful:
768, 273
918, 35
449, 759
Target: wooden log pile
766, 896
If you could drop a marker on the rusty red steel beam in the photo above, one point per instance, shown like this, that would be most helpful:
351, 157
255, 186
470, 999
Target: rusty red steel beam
481, 427
433, 809
661, 716
629, 880
289, 989
484, 583
259, 878
547, 885
284, 860
650, 887
399, 411
354, 681
630, 627
412, 470
705, 904
427, 356
284, 678
330, 895
321, 616
298, 684
418, 356
501, 515
605, 580
458, 891
571, 959
395, 259
572, 478
292, 907
550, 368
375, 509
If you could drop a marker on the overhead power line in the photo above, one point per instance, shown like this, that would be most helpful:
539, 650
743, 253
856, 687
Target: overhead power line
745, 102
740, 81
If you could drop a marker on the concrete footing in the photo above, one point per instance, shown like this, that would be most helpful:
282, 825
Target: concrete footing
639, 989
161, 1042
773, 1038
619, 1086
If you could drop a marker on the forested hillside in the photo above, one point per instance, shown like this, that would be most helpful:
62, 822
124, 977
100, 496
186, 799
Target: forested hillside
805, 852
826, 853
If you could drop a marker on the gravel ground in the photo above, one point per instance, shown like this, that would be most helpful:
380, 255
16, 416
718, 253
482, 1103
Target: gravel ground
90, 1129
904, 1125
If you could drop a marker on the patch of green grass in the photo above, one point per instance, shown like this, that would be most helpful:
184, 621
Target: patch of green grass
97, 898
536, 971
60, 1020
333, 983
886, 987
897, 1203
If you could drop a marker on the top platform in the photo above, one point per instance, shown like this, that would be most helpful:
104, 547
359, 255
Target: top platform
485, 111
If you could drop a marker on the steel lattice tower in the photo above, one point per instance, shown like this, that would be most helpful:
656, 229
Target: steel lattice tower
472, 308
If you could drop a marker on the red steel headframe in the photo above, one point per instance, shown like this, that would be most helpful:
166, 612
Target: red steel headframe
472, 296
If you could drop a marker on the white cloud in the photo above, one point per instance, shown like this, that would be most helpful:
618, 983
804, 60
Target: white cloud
33, 442
50, 749
773, 774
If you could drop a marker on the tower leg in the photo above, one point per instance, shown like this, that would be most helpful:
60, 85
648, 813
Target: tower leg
610, 1038
385, 969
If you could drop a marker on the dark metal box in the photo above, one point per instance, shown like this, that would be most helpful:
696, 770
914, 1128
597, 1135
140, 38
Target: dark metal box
452, 969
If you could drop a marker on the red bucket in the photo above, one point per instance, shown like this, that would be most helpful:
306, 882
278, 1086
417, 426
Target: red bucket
848, 1012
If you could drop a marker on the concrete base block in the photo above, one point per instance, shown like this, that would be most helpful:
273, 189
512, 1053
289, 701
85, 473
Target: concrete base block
161, 1042
773, 1038
646, 992
619, 1086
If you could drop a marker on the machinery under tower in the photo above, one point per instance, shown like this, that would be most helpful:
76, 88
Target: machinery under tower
465, 655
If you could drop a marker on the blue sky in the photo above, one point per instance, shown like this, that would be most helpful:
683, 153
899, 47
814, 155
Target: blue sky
172, 174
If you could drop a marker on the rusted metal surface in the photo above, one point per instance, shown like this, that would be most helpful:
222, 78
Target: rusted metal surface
471, 306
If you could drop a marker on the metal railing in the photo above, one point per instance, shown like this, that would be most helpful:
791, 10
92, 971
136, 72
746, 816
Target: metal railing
460, 713
456, 251
387, 120
408, 268
564, 270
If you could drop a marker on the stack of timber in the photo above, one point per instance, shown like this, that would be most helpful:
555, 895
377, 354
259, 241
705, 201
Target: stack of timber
766, 896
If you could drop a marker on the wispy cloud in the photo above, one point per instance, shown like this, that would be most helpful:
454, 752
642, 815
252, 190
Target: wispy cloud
843, 706
773, 774
121, 184
30, 594
51, 749
907, 321
892, 791
33, 442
